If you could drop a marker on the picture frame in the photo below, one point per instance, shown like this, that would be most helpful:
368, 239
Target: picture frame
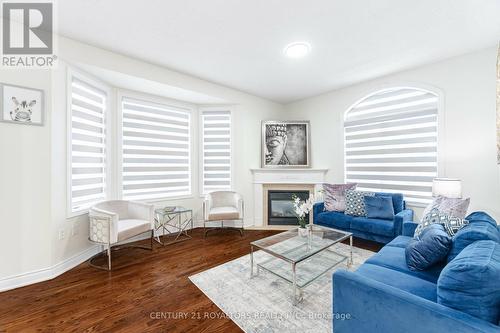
21, 105
286, 144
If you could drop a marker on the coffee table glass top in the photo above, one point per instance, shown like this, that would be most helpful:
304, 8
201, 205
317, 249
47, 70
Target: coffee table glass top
294, 248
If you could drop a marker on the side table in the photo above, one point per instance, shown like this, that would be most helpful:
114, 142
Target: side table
174, 224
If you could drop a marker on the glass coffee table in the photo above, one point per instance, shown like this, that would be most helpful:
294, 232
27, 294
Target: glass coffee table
301, 259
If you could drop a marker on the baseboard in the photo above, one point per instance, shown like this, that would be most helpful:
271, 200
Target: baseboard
44, 274
49, 273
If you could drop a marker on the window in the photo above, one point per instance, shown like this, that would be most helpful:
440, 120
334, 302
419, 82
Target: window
391, 141
87, 144
216, 143
155, 150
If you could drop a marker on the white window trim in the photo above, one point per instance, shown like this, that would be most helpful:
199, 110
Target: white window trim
190, 108
202, 108
441, 142
73, 72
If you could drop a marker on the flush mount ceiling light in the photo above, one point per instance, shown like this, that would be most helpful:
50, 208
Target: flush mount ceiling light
297, 49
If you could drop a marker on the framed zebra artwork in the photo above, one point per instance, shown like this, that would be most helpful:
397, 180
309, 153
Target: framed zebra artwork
21, 105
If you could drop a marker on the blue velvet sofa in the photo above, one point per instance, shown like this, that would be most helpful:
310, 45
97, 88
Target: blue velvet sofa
384, 295
378, 230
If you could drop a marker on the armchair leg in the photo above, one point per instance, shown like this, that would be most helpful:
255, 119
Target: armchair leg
109, 257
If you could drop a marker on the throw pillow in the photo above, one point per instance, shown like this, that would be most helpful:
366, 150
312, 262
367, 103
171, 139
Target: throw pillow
470, 283
335, 196
432, 247
450, 206
355, 202
435, 216
378, 207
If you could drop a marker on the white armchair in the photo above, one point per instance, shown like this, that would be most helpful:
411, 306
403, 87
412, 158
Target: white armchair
115, 221
223, 206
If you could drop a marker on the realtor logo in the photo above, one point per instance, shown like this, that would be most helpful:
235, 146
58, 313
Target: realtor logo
27, 34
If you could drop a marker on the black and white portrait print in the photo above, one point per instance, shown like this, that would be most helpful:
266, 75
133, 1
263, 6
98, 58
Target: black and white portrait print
285, 144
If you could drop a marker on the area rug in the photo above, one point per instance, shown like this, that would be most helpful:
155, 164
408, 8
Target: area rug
263, 303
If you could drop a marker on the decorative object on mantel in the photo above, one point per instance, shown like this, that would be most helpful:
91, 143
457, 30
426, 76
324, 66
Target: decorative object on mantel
498, 105
21, 105
302, 209
285, 144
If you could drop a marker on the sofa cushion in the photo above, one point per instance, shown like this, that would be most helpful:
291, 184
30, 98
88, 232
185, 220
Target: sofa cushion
471, 282
373, 226
397, 200
400, 241
479, 228
334, 220
411, 284
355, 202
335, 196
394, 258
432, 247
379, 207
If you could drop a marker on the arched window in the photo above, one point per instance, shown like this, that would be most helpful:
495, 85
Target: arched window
391, 141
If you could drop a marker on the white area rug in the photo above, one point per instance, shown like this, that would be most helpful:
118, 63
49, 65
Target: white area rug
264, 303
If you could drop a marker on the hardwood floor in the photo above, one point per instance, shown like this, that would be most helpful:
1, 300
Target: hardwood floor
146, 292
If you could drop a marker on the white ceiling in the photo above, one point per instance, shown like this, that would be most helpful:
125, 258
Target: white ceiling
240, 43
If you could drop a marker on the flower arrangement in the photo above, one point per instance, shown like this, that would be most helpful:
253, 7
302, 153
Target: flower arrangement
302, 208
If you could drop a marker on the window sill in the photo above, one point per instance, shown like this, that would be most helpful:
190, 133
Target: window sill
76, 214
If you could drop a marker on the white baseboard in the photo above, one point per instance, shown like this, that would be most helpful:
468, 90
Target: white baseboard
49, 273
44, 274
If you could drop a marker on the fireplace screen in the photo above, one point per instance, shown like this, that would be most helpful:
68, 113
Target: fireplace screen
280, 207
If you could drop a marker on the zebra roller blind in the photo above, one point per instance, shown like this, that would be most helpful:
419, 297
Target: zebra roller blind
391, 141
155, 150
216, 141
88, 145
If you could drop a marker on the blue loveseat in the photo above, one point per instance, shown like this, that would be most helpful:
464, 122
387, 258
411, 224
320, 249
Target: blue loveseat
384, 295
378, 230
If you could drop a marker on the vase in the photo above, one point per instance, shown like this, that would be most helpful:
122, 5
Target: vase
303, 232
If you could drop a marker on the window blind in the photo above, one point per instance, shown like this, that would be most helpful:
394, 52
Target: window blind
216, 137
88, 145
155, 150
391, 143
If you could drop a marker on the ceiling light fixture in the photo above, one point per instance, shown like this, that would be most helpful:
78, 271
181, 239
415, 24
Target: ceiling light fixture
297, 49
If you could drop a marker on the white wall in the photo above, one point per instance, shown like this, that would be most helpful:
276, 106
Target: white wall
33, 162
468, 149
25, 184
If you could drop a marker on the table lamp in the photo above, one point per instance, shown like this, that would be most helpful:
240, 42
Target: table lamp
447, 187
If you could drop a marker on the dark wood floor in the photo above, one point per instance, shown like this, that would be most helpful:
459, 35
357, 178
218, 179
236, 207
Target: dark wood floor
137, 296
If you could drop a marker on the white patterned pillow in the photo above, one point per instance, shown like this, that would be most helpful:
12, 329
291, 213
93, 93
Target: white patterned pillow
451, 206
450, 223
355, 202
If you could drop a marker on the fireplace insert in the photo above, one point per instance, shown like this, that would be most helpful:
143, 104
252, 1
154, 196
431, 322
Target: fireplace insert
280, 207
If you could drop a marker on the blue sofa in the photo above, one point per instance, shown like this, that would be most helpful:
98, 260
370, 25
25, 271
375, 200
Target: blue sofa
384, 295
382, 231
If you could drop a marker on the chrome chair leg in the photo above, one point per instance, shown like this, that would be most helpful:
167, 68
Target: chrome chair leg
109, 257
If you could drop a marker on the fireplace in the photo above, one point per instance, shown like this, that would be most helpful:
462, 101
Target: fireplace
280, 206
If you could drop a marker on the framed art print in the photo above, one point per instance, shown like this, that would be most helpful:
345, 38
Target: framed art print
285, 144
20, 105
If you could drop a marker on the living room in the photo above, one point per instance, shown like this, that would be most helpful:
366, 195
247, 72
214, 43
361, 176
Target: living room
255, 166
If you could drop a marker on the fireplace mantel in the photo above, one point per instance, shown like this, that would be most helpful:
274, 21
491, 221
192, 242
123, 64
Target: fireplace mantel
263, 177
288, 176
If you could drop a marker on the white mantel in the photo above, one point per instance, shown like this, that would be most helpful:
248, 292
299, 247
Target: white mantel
290, 176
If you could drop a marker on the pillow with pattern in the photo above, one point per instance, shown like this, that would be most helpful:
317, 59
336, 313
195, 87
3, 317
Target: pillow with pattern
335, 196
435, 216
355, 202
451, 206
